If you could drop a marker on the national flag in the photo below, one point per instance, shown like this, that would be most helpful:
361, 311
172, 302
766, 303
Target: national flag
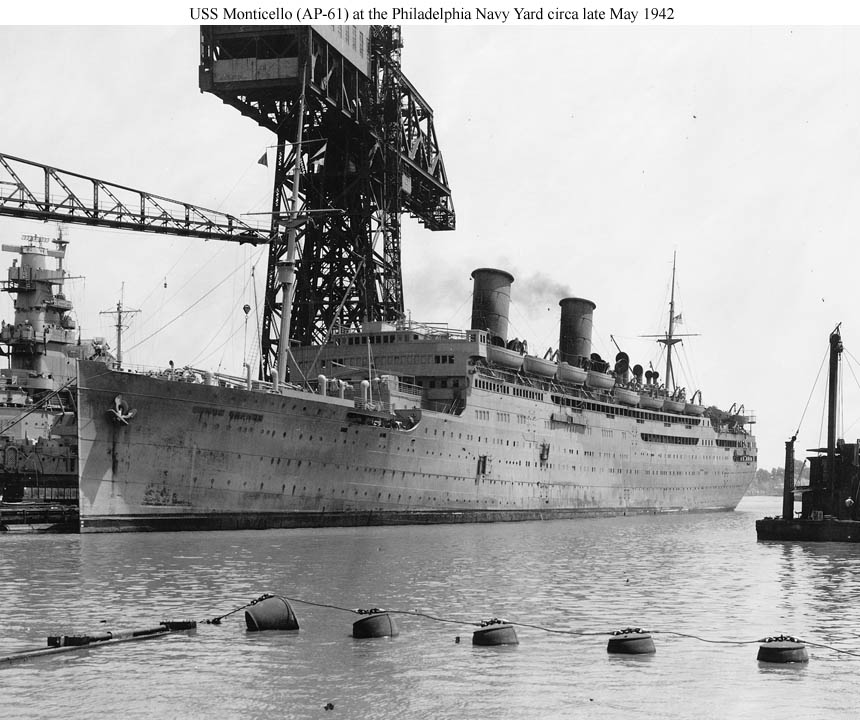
264, 161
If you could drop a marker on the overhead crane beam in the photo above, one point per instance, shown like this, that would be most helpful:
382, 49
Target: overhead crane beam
34, 191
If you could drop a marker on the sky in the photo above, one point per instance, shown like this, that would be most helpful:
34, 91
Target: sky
581, 159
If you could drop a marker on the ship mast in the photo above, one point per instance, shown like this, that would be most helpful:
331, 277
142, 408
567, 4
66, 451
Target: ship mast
832, 408
119, 312
286, 268
670, 340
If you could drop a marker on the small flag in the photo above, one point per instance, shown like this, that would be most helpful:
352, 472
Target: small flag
678, 318
264, 161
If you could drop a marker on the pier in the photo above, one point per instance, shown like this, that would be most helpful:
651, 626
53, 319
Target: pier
38, 517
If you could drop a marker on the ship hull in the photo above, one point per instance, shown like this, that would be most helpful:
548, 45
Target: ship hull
188, 456
827, 530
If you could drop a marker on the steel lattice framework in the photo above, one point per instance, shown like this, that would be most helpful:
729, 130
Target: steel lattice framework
359, 140
35, 191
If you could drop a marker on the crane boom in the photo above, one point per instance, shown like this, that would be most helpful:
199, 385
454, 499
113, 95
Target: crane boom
34, 191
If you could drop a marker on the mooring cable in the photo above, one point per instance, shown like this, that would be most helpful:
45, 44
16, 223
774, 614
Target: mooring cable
577, 633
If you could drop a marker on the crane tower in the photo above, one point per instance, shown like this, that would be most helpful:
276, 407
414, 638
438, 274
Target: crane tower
355, 148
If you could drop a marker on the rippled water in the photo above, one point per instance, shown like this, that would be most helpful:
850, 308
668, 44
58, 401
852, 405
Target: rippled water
697, 574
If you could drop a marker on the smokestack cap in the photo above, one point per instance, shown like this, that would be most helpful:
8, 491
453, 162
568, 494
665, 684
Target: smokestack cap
484, 271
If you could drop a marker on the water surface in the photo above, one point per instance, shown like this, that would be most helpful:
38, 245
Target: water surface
701, 574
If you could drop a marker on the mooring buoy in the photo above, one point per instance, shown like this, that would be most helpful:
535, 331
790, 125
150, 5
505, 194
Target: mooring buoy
631, 641
377, 623
782, 649
271, 613
495, 632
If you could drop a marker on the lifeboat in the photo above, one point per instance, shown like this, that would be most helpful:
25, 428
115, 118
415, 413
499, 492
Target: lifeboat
694, 409
626, 396
539, 366
510, 359
651, 402
675, 406
599, 380
571, 373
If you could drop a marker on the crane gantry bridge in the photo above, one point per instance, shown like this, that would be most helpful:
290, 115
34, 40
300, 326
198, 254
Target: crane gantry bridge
356, 148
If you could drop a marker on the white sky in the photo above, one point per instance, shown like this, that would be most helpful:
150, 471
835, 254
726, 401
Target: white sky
579, 158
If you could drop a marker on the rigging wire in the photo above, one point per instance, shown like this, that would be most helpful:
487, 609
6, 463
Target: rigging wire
687, 368
214, 351
190, 246
857, 382
812, 390
214, 337
187, 281
37, 405
841, 432
193, 305
823, 422
259, 339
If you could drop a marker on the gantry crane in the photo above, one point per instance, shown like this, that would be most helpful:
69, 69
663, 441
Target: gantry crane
355, 148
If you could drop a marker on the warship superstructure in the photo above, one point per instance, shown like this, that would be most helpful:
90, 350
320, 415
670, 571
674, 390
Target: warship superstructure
38, 427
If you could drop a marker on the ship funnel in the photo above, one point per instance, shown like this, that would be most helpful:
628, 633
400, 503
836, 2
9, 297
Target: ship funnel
575, 337
622, 366
491, 299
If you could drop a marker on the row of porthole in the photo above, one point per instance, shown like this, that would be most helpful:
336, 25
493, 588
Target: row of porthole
549, 466
435, 499
246, 429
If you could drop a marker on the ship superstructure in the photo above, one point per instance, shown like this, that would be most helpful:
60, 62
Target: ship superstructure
403, 424
38, 431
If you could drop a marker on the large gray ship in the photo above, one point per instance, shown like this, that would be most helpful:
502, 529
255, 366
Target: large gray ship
359, 415
403, 423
